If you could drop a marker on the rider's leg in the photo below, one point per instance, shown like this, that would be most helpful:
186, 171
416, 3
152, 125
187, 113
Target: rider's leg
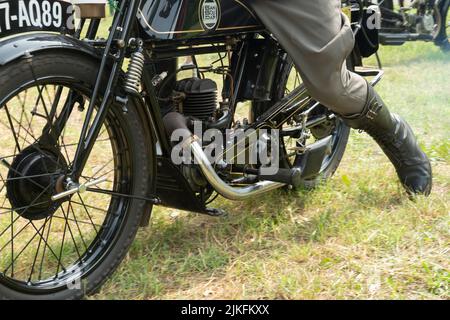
319, 39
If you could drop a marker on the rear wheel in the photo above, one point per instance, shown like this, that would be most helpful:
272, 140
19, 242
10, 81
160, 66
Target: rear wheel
63, 249
323, 123
442, 37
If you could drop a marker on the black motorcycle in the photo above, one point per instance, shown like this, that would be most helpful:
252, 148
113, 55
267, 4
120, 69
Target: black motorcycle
415, 20
86, 148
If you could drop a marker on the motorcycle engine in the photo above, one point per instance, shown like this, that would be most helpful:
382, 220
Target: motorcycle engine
196, 98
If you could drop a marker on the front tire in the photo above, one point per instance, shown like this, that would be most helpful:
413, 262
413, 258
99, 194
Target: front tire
442, 38
90, 250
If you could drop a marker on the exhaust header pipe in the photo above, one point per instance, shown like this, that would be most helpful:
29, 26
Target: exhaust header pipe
225, 190
175, 121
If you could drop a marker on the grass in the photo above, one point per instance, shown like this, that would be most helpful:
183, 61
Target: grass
355, 237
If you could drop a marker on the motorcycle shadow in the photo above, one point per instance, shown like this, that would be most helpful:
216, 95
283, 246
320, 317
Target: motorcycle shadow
185, 252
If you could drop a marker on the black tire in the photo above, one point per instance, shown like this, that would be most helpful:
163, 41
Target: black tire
124, 215
443, 34
341, 136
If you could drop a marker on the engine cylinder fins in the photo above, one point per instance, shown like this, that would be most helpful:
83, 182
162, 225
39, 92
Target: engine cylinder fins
134, 73
200, 98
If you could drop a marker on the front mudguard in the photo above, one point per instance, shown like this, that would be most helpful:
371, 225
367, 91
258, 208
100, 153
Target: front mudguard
21, 45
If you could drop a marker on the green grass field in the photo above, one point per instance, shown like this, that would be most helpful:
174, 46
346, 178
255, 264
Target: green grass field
356, 237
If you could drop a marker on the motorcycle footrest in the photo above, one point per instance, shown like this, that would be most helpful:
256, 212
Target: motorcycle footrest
377, 74
290, 177
367, 72
312, 160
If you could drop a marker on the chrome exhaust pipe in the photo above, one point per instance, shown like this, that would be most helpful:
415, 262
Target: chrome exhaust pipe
174, 121
224, 189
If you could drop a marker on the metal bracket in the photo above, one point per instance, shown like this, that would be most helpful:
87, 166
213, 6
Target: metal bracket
370, 72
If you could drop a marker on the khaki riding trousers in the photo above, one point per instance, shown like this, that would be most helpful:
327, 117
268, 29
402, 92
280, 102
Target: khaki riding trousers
318, 37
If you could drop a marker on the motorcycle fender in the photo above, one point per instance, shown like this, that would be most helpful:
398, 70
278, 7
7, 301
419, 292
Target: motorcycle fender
19, 46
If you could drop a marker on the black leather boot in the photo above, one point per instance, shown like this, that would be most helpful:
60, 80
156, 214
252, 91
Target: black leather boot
398, 142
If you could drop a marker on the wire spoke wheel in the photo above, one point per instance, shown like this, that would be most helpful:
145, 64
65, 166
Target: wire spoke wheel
43, 243
447, 24
320, 123
441, 32
50, 246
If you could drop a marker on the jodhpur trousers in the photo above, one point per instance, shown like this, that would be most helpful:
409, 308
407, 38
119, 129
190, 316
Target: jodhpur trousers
318, 37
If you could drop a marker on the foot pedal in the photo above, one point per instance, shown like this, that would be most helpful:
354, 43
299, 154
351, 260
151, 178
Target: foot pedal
377, 74
312, 160
290, 177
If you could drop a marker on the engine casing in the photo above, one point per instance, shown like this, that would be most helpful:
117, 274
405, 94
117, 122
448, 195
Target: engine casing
197, 98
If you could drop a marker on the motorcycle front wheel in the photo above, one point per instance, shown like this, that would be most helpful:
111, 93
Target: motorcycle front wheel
64, 249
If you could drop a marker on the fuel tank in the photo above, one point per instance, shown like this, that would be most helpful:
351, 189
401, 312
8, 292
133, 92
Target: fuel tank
188, 19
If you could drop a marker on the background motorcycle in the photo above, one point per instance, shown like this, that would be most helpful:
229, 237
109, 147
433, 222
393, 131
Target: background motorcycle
425, 20
86, 153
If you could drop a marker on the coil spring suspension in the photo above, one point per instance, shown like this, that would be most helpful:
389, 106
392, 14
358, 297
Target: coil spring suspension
134, 72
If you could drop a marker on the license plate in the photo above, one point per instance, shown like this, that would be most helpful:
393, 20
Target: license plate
19, 16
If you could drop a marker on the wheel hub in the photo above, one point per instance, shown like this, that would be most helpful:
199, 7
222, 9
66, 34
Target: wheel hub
32, 180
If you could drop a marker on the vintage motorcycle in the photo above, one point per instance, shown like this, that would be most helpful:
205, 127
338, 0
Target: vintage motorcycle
86, 148
424, 20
